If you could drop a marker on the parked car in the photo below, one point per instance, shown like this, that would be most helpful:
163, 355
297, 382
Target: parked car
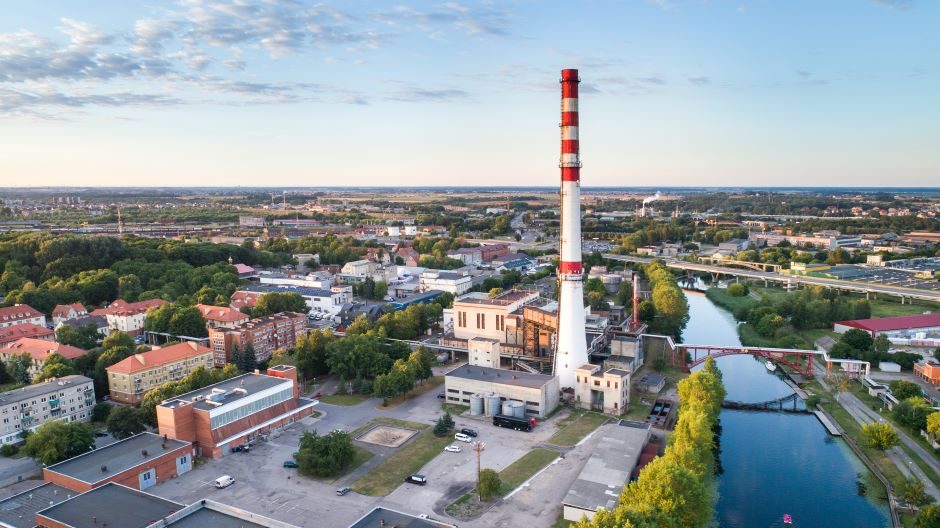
342, 491
469, 432
224, 481
415, 478
101, 434
452, 449
291, 464
463, 438
441, 396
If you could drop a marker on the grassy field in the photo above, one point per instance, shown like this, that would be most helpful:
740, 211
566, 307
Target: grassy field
384, 478
454, 409
575, 427
432, 383
344, 399
522, 470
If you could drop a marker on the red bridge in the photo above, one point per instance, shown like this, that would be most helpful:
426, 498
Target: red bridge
688, 357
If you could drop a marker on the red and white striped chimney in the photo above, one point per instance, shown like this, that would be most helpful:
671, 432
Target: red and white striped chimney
571, 351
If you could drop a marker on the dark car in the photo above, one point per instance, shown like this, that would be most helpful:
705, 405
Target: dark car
469, 432
420, 480
441, 396
291, 464
100, 434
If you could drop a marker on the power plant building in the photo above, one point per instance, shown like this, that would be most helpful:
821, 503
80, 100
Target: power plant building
539, 393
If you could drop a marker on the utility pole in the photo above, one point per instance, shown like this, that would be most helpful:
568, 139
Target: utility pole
479, 447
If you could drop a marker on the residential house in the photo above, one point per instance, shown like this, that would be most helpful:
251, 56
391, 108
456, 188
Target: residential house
65, 312
38, 350
21, 314
472, 256
409, 256
130, 379
98, 321
11, 334
218, 316
128, 317
359, 267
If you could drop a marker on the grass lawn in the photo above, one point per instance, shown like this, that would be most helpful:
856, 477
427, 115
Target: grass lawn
384, 478
521, 470
432, 383
575, 427
892, 308
561, 522
454, 409
720, 297
344, 399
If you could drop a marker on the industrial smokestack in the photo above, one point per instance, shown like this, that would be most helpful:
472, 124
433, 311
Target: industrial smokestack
572, 347
636, 300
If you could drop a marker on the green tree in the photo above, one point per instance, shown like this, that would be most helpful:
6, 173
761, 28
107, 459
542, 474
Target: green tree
625, 293
56, 441
737, 290
176, 319
933, 424
55, 366
880, 435
276, 302
914, 492
912, 413
101, 412
247, 361
324, 456
311, 353
881, 344
928, 517
129, 288
117, 340
124, 422
857, 339
420, 361
489, 484
85, 337
384, 387
903, 389
18, 367
596, 301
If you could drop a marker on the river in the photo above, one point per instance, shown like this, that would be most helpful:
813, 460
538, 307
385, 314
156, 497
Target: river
777, 463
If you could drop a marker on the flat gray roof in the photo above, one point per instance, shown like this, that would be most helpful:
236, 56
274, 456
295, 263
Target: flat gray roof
31, 391
506, 377
116, 457
111, 504
210, 518
249, 383
601, 480
396, 519
19, 511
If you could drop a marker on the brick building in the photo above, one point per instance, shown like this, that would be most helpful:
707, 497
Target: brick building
69, 398
221, 316
264, 334
21, 314
138, 462
131, 378
235, 411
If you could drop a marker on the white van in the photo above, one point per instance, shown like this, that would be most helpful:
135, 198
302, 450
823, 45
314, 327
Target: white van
224, 481
463, 438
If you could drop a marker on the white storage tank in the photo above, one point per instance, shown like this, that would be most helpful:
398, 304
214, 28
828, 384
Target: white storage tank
476, 405
514, 408
492, 404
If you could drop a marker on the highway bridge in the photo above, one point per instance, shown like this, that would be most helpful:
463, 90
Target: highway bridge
790, 281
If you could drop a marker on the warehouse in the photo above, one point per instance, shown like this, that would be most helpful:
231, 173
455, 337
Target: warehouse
908, 326
607, 471
538, 392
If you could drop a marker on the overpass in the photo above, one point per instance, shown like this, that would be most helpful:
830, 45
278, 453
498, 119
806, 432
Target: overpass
787, 280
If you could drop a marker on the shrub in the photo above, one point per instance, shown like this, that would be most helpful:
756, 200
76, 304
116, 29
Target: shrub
9, 450
737, 290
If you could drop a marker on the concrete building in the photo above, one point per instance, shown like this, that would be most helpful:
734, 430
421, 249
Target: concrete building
12, 334
111, 505
607, 471
478, 315
131, 378
65, 312
320, 280
138, 462
446, 281
538, 392
602, 390
235, 411
263, 334
735, 245
128, 317
221, 316
19, 511
69, 398
929, 371
250, 221
359, 267
917, 326
491, 251
827, 241
321, 300
21, 314
469, 256
38, 350
379, 517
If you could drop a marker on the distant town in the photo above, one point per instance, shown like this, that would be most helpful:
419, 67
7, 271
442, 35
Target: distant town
390, 358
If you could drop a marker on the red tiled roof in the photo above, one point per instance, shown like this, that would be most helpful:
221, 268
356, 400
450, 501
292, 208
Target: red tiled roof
62, 310
241, 299
222, 314
157, 357
243, 268
122, 307
12, 333
18, 312
884, 324
38, 349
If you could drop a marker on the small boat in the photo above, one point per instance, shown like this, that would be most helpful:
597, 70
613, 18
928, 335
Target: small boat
770, 365
786, 516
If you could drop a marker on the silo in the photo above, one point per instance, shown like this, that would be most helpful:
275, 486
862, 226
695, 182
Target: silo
476, 405
493, 404
514, 408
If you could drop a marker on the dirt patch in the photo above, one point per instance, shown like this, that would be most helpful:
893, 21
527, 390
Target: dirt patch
386, 436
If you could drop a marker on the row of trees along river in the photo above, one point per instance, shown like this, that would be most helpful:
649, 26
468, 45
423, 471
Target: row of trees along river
778, 463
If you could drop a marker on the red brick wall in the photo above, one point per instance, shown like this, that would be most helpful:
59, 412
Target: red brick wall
176, 422
164, 462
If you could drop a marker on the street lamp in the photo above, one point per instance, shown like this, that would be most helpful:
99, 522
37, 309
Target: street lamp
479, 447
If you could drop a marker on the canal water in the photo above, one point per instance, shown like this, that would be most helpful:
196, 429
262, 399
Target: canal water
777, 463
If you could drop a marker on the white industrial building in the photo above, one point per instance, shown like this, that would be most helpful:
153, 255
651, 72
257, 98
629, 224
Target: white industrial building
446, 281
538, 393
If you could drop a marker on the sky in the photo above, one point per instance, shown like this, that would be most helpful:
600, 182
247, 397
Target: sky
357, 92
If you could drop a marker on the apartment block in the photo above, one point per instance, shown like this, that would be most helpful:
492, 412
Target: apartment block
128, 317
69, 399
264, 334
38, 350
130, 379
21, 314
